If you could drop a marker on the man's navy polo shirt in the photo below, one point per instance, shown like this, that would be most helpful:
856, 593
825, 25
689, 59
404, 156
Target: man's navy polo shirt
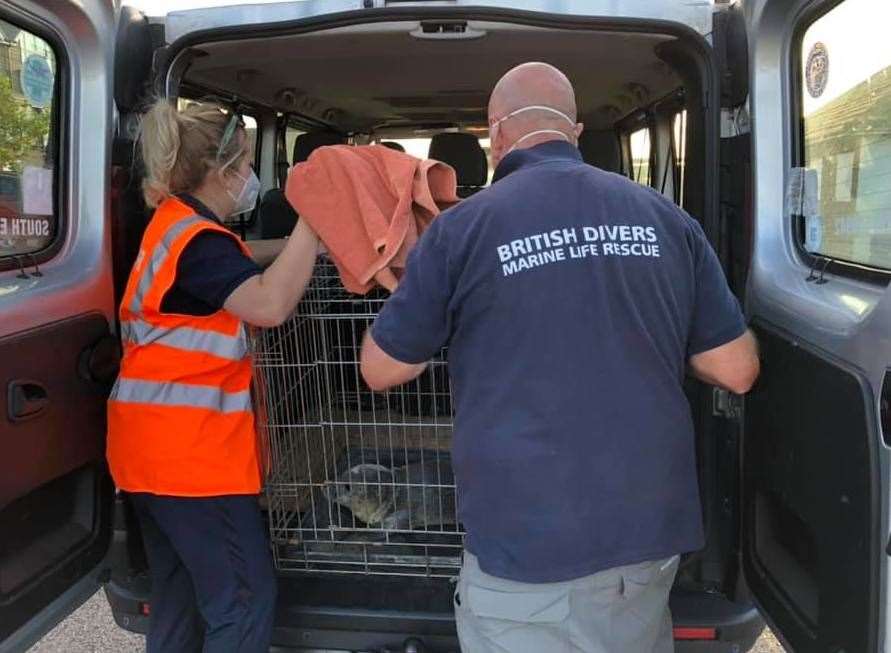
570, 300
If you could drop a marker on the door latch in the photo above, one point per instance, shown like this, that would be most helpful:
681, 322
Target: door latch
25, 400
726, 404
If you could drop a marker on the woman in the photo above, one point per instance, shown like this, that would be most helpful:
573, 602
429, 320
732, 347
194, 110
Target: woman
181, 436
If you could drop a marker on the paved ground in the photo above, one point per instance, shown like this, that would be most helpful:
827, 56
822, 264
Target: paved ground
92, 630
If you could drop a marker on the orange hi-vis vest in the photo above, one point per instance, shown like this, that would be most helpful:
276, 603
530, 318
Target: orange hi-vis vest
180, 420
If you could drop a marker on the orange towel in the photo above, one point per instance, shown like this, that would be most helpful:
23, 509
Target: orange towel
369, 205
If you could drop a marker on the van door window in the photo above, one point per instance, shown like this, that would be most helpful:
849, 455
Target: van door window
28, 137
679, 148
641, 155
845, 100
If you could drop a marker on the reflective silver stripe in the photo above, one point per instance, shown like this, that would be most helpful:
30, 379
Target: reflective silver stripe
182, 395
182, 337
113, 395
159, 255
126, 332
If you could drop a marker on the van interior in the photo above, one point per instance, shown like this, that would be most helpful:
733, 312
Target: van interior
423, 86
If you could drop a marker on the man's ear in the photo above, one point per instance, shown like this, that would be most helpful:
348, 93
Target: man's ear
579, 128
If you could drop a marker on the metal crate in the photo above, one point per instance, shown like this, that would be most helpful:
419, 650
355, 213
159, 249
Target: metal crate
358, 482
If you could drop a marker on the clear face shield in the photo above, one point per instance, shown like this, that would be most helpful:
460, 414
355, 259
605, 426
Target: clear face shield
246, 199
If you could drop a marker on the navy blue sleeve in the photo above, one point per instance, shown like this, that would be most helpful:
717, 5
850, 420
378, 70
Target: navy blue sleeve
717, 316
211, 267
415, 322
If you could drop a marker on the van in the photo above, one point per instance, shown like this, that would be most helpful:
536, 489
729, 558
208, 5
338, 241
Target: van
769, 121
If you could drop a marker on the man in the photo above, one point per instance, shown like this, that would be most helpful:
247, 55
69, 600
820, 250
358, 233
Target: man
572, 300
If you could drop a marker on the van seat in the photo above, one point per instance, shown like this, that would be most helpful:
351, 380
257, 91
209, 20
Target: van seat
277, 216
465, 154
600, 148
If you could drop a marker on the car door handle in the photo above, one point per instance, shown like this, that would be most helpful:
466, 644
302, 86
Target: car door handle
25, 400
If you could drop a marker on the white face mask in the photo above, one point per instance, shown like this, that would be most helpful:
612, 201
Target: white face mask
532, 107
246, 200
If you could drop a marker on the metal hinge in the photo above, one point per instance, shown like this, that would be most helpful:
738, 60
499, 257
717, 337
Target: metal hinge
735, 121
726, 404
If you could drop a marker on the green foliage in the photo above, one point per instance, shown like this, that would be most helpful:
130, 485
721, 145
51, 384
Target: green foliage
22, 129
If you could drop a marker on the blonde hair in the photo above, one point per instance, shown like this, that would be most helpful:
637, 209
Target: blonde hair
179, 147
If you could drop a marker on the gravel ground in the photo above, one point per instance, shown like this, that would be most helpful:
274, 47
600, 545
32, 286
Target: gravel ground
768, 644
92, 630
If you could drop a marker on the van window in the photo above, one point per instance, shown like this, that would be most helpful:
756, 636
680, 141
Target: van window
679, 147
250, 129
845, 91
28, 135
417, 147
291, 134
641, 153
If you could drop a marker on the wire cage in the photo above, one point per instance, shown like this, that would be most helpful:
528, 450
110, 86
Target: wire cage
357, 482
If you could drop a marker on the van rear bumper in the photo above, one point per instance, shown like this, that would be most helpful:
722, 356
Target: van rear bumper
736, 625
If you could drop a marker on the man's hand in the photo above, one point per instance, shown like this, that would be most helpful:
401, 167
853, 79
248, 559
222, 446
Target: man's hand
381, 371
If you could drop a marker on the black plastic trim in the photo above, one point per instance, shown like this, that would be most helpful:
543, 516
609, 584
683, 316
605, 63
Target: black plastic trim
355, 629
754, 573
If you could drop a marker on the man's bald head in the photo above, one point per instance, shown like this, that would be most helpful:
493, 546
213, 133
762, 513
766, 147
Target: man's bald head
530, 85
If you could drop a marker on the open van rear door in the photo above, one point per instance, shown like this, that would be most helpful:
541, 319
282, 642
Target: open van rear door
815, 470
57, 352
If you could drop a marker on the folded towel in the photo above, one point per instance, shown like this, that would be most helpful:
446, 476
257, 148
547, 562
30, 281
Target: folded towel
369, 204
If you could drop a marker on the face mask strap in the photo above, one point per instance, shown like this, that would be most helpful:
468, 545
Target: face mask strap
536, 133
534, 107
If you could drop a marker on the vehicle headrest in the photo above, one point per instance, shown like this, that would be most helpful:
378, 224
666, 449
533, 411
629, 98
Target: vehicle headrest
601, 148
464, 153
306, 144
393, 145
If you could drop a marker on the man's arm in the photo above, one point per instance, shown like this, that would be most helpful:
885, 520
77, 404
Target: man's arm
733, 366
381, 371
414, 324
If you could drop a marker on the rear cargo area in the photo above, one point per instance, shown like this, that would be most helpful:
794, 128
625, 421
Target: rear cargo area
358, 481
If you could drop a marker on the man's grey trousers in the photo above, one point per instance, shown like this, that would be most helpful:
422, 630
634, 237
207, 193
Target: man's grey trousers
621, 610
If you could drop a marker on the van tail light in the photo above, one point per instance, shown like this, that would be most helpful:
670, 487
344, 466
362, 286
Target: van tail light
145, 609
688, 634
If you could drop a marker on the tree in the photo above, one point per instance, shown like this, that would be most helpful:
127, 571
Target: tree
22, 129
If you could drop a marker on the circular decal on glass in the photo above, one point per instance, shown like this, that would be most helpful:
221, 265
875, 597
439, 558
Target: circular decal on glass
37, 81
816, 70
